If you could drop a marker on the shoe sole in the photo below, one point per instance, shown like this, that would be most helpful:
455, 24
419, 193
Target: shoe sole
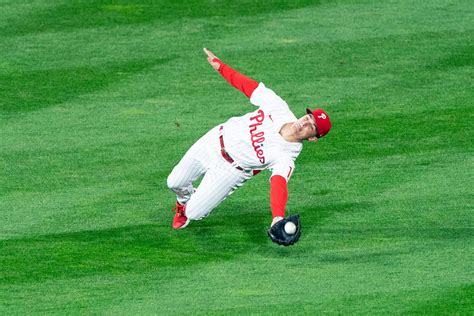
183, 226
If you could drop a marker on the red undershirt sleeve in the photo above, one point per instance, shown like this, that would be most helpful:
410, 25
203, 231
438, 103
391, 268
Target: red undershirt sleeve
278, 195
236, 79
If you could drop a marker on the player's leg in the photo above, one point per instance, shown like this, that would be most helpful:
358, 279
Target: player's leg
218, 183
190, 167
181, 179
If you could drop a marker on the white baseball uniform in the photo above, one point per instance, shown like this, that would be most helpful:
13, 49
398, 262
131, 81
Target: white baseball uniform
230, 153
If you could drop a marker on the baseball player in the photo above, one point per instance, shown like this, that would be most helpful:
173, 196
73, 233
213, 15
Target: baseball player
271, 137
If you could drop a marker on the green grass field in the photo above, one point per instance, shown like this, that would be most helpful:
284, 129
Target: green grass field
100, 99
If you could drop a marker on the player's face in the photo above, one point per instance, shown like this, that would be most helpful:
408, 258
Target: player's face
305, 128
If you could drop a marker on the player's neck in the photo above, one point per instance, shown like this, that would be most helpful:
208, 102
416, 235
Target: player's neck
287, 133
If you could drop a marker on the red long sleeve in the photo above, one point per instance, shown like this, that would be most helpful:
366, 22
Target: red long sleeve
278, 195
236, 79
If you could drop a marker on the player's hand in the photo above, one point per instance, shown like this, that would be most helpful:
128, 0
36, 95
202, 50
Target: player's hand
280, 234
211, 59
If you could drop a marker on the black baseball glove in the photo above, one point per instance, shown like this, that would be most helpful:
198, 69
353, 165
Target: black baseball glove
278, 234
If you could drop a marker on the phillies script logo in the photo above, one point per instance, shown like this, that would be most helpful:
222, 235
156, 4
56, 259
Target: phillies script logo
256, 137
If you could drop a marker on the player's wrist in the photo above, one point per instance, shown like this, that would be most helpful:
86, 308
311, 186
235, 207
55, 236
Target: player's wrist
275, 220
219, 62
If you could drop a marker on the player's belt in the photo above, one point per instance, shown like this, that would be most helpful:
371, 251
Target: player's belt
224, 152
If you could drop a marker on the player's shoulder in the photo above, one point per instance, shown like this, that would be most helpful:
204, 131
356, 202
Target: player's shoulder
265, 97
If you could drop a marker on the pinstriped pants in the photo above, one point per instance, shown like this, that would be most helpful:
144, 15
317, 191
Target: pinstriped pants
220, 177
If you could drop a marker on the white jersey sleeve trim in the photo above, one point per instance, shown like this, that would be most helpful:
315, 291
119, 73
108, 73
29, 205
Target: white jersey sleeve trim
283, 168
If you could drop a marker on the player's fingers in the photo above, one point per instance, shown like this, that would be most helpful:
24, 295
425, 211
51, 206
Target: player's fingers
208, 53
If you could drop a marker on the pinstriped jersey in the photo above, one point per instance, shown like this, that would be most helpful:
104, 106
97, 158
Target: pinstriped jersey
254, 141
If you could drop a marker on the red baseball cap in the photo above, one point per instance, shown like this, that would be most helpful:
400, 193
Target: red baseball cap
323, 124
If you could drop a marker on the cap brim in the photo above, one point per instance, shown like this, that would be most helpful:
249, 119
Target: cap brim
309, 111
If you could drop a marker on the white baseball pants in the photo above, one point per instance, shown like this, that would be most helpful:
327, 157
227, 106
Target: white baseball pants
220, 177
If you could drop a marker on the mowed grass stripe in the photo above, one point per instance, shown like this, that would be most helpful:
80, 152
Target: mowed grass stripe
385, 200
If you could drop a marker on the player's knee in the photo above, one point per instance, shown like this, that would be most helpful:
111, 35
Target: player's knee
172, 182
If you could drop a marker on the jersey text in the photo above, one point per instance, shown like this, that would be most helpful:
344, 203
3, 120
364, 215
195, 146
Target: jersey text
256, 137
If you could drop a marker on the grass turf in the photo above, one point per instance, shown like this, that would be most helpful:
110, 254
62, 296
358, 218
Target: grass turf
100, 99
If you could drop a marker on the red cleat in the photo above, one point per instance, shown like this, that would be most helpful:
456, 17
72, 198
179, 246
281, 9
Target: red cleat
180, 220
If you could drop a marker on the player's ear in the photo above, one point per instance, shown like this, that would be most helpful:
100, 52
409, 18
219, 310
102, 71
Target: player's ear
313, 139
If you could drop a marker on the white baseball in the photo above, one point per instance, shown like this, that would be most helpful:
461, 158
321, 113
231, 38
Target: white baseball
290, 228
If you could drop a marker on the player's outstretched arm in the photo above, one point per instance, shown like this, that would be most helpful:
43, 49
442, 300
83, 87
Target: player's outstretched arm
281, 231
236, 79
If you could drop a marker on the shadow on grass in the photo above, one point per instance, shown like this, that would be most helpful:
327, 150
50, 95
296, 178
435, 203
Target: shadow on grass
232, 231
133, 249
